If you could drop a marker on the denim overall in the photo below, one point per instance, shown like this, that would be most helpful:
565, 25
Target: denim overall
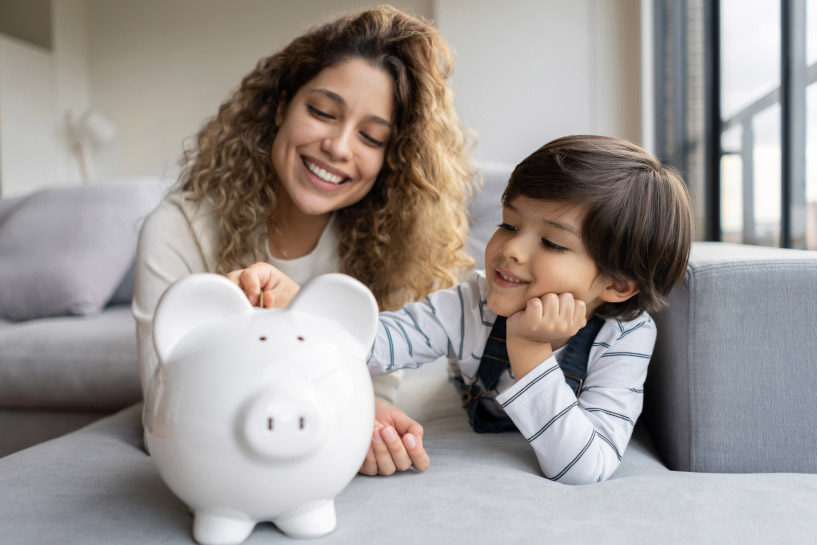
484, 413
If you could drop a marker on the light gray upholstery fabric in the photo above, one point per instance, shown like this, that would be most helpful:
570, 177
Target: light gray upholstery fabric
9, 205
733, 383
65, 250
485, 209
97, 486
22, 428
124, 292
70, 362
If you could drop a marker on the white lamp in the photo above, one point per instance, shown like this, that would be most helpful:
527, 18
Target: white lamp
90, 128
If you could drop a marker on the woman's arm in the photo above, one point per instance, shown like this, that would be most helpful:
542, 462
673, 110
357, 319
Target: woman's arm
168, 250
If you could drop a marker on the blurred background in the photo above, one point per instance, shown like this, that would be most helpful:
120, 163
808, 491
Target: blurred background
96, 91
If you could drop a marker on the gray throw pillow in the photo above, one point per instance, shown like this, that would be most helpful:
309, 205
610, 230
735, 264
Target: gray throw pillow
65, 250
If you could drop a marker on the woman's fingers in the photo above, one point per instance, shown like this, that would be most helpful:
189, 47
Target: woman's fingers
414, 446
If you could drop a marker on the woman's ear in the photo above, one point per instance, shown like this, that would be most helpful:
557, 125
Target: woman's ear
617, 292
281, 109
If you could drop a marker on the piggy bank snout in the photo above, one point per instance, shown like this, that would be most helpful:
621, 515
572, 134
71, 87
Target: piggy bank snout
287, 424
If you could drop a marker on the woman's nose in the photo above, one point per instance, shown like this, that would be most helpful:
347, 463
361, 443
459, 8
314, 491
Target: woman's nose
338, 145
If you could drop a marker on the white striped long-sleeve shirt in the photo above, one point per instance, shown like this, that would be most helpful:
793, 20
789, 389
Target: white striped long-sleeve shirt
576, 441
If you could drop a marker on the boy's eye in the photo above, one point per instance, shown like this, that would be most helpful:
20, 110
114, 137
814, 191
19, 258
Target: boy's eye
507, 227
551, 246
318, 113
369, 140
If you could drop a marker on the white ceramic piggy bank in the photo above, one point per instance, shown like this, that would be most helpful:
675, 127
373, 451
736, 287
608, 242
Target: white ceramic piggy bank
261, 414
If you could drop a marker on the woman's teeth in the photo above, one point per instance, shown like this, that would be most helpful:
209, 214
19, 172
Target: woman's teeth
322, 174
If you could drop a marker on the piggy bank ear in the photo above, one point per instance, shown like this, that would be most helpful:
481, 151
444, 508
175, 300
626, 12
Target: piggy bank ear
341, 298
191, 302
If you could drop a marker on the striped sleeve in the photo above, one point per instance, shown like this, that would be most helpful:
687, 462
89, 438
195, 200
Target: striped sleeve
446, 323
581, 441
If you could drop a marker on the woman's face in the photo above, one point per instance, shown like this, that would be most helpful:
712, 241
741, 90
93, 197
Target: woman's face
332, 137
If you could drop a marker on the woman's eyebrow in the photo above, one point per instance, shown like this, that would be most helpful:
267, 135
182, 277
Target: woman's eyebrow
342, 102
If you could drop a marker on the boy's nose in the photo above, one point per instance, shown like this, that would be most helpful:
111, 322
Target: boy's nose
513, 251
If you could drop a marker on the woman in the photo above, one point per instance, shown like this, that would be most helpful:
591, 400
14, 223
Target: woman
342, 152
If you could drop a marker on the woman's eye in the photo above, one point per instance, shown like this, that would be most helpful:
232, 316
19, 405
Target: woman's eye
551, 246
318, 113
507, 227
374, 142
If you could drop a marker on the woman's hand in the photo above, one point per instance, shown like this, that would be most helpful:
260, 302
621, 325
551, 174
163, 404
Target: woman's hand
397, 443
263, 280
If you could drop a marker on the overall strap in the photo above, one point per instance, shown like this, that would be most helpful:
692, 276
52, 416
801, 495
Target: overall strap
484, 412
577, 352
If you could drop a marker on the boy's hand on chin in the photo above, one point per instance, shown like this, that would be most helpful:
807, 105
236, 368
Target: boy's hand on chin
545, 324
551, 319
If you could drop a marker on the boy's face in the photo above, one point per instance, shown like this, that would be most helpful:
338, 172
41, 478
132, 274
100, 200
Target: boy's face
538, 249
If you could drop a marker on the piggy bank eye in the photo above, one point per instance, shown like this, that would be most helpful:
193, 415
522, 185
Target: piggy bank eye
262, 339
300, 338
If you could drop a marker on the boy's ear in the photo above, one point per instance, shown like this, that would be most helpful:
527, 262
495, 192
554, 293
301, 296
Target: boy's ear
618, 292
282, 106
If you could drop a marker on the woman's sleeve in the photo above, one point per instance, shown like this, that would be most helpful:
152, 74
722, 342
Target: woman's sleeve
581, 441
167, 251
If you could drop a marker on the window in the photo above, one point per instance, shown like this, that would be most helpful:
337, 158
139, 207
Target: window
736, 111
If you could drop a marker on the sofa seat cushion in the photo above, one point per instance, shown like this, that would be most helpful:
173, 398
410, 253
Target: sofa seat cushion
98, 485
78, 362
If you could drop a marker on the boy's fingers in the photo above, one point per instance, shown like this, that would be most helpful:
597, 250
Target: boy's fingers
385, 463
550, 302
414, 446
580, 313
566, 306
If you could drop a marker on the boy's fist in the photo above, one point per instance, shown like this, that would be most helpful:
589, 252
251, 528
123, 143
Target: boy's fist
551, 319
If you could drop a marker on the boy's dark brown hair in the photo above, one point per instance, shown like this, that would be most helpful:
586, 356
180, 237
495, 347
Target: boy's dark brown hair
637, 221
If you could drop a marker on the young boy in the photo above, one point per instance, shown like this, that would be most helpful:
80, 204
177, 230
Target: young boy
554, 337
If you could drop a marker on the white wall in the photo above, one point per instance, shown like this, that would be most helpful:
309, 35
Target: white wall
533, 70
159, 67
37, 87
527, 71
29, 137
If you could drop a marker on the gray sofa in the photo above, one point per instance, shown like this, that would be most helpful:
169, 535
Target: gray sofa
725, 452
67, 344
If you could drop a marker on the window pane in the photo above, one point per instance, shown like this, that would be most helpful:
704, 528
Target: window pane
750, 110
731, 186
767, 172
811, 167
750, 52
811, 128
811, 31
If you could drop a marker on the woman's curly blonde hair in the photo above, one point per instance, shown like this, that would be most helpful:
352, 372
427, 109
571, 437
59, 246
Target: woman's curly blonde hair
406, 237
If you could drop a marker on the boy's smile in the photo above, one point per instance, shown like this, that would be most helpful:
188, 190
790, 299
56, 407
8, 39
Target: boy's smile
538, 249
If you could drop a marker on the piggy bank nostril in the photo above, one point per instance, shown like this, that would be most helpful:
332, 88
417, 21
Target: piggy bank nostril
300, 338
262, 339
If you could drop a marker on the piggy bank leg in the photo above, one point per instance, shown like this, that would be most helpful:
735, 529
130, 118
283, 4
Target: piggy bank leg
314, 519
210, 528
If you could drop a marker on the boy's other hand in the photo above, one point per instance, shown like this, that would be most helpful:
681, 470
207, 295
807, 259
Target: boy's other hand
397, 443
262, 280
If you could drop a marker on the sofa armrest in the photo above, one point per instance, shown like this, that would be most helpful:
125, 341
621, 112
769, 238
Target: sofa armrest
733, 383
